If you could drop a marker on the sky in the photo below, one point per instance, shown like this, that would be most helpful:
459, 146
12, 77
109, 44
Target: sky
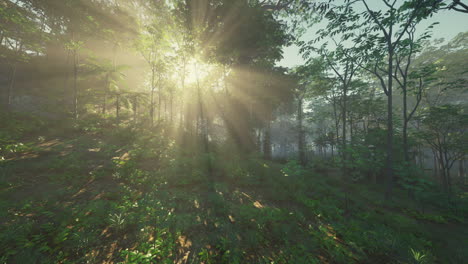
451, 23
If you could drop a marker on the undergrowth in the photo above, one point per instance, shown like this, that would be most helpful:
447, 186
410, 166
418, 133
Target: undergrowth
130, 196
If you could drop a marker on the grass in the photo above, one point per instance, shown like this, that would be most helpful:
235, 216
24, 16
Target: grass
123, 196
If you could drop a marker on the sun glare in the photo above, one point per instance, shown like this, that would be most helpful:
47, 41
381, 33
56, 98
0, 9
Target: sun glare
197, 71
194, 131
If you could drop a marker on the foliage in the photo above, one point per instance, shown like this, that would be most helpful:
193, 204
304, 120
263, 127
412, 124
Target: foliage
181, 114
158, 250
293, 169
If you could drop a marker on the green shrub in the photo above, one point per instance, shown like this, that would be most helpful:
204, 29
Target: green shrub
293, 169
159, 251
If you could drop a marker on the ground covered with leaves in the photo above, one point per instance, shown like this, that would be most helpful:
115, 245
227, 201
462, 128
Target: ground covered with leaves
95, 193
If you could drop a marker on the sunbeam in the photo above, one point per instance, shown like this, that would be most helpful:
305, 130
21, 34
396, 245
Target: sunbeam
171, 131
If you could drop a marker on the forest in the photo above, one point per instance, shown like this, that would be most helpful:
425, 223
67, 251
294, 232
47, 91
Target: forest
233, 131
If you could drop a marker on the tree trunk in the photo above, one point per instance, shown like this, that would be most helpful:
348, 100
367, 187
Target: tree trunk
189, 117
447, 167
421, 157
75, 85
405, 126
420, 151
13, 77
106, 89
300, 143
441, 168
389, 169
165, 108
364, 128
461, 169
171, 108
135, 108
181, 116
159, 99
104, 104
204, 131
152, 96
117, 108
267, 141
345, 165
259, 140
337, 122
12, 84
343, 143
67, 76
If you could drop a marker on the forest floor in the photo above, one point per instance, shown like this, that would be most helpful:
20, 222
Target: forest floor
94, 196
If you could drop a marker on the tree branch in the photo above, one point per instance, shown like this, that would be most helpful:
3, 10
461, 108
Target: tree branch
333, 68
382, 82
374, 17
458, 2
408, 23
275, 7
418, 99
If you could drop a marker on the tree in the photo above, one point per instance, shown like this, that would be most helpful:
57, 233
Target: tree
378, 42
111, 74
344, 65
19, 34
151, 45
300, 93
246, 41
446, 68
445, 131
74, 47
406, 79
457, 5
310, 82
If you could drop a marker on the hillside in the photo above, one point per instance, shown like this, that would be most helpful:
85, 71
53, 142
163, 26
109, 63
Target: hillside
119, 195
